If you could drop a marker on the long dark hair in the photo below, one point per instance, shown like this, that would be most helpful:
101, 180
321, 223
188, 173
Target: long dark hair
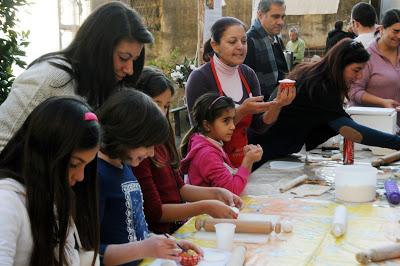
390, 17
153, 82
208, 107
90, 54
130, 119
327, 73
217, 30
38, 156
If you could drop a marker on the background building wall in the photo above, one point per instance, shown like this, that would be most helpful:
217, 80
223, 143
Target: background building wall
177, 22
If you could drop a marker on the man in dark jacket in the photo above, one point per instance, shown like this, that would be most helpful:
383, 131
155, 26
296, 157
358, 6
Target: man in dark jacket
265, 48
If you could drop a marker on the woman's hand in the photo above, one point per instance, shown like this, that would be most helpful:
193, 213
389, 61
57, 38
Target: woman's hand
285, 96
228, 197
253, 105
390, 103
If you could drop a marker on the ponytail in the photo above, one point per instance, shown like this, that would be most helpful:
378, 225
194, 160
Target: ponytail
185, 142
208, 51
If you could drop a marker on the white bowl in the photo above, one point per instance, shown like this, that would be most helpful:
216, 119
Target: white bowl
355, 183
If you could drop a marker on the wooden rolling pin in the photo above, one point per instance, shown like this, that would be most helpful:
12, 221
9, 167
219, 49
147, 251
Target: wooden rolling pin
387, 159
291, 184
387, 252
255, 227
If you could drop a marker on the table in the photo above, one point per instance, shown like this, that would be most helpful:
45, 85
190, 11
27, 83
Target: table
311, 243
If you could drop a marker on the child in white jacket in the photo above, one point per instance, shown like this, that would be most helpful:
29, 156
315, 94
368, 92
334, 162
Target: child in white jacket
48, 187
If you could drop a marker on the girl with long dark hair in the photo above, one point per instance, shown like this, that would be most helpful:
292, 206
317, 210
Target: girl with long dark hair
132, 125
167, 199
48, 187
205, 161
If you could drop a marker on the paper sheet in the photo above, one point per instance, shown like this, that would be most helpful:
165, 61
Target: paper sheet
309, 190
212, 257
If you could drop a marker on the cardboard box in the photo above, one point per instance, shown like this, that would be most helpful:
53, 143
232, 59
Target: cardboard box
382, 119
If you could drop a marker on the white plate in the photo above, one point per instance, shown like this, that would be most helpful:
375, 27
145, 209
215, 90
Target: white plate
284, 165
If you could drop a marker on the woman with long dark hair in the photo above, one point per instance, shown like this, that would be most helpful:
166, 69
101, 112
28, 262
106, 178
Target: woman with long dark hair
107, 52
48, 187
317, 112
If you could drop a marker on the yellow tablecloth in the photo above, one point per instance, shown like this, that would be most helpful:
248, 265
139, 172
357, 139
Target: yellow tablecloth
311, 242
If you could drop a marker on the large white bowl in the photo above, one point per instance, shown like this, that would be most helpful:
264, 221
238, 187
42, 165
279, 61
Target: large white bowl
355, 183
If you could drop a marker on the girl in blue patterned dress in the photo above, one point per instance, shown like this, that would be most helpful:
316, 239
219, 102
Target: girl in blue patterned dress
132, 125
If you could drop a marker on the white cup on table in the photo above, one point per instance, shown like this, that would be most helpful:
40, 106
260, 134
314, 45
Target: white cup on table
225, 233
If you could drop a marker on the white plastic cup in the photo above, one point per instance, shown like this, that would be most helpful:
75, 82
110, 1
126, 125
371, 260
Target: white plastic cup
225, 233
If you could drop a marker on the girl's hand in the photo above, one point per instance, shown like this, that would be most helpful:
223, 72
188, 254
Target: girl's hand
218, 209
254, 105
228, 197
189, 245
252, 152
161, 247
285, 96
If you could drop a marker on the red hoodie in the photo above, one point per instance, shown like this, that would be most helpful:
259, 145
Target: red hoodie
208, 165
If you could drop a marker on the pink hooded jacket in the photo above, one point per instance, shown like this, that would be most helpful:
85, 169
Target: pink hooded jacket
207, 165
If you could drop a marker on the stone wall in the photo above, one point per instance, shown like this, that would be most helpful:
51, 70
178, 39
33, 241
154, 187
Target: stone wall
178, 24
174, 23
314, 28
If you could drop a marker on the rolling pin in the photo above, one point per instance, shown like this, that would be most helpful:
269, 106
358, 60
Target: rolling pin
387, 159
293, 183
254, 227
387, 252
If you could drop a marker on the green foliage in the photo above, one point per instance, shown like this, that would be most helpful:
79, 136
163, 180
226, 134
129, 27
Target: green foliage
173, 67
166, 64
12, 43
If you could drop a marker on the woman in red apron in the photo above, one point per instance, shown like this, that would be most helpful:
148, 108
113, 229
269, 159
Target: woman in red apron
225, 73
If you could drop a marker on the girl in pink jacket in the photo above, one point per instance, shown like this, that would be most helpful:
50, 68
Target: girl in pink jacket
205, 162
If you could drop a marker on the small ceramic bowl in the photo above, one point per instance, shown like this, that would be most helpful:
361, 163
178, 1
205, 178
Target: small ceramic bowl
189, 258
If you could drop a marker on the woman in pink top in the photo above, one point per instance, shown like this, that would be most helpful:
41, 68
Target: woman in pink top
380, 84
206, 162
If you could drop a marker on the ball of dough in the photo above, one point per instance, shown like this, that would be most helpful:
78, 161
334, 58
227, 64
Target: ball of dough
287, 226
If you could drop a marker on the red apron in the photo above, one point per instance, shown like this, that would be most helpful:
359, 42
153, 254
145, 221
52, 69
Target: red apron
234, 148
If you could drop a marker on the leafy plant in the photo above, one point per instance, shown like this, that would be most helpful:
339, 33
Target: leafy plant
173, 67
12, 43
166, 64
182, 71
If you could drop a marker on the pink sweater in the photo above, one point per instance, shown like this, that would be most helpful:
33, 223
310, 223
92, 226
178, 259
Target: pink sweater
208, 165
380, 78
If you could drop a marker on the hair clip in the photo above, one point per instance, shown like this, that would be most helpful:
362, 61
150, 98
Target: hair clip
213, 102
89, 116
